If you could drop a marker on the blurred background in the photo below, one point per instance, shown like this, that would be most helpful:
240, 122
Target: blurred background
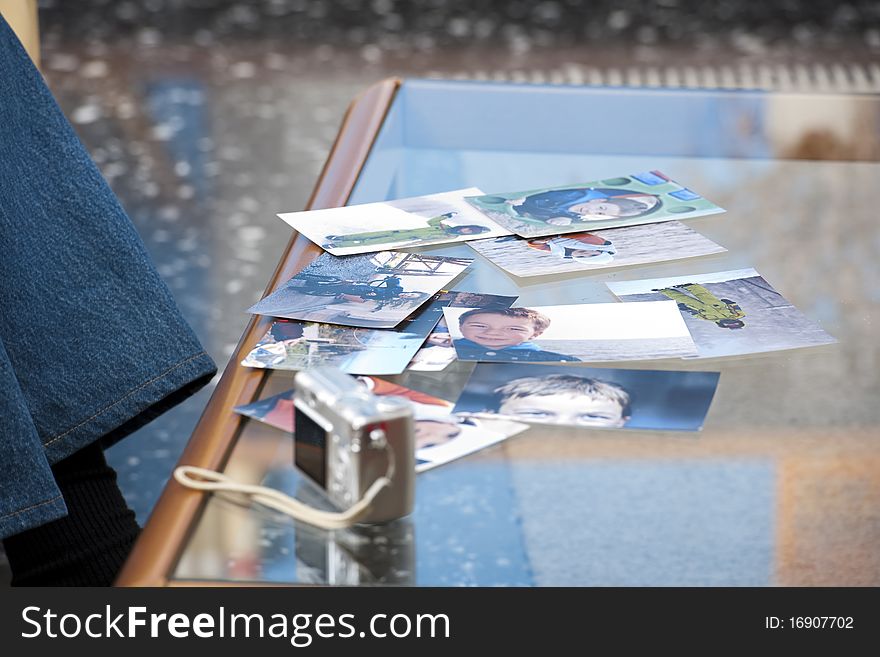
209, 116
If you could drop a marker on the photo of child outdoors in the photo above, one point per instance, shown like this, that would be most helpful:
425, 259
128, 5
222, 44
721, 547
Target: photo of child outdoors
625, 201
377, 291
598, 249
417, 221
295, 345
589, 397
569, 334
438, 229
729, 313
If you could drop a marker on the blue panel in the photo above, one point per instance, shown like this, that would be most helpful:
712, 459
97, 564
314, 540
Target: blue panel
440, 136
379, 179
540, 118
468, 527
649, 523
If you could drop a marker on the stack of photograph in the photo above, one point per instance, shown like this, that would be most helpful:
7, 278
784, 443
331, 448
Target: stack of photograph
395, 292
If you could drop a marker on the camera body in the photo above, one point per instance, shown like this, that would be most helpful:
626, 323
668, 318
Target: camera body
345, 438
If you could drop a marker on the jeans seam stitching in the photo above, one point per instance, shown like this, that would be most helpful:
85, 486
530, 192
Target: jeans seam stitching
163, 374
31, 507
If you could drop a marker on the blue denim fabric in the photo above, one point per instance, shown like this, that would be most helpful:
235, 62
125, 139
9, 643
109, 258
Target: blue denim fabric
92, 345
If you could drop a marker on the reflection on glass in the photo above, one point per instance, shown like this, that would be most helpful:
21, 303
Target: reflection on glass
363, 555
788, 454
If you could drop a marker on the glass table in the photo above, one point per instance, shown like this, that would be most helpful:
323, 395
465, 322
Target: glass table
782, 487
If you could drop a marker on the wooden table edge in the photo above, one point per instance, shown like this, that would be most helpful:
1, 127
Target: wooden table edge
164, 536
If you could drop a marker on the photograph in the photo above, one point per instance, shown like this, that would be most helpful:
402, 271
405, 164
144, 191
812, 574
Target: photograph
440, 436
569, 334
601, 249
276, 411
590, 397
417, 221
641, 198
295, 345
730, 313
167, 164
379, 290
438, 352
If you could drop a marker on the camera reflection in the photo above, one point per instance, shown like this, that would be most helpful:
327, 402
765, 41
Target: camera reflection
362, 555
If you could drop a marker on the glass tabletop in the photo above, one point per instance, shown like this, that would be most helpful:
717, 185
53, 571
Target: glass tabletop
781, 487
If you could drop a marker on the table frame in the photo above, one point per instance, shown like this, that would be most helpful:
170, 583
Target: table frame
163, 539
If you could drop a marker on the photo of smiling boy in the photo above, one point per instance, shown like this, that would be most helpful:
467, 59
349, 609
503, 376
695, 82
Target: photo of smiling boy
573, 333
504, 334
565, 399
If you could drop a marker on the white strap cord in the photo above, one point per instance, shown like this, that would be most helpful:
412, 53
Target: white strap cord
210, 480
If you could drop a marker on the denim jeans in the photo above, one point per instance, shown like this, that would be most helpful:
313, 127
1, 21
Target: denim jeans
92, 345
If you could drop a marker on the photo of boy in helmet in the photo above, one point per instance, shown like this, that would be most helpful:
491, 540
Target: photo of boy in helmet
564, 207
642, 198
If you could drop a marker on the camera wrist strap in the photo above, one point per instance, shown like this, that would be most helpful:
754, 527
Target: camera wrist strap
211, 480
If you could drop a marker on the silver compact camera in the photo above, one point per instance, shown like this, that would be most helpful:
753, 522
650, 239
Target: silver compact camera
345, 438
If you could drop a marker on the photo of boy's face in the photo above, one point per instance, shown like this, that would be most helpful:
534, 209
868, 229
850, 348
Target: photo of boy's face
588, 398
430, 433
497, 331
565, 408
597, 207
614, 206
